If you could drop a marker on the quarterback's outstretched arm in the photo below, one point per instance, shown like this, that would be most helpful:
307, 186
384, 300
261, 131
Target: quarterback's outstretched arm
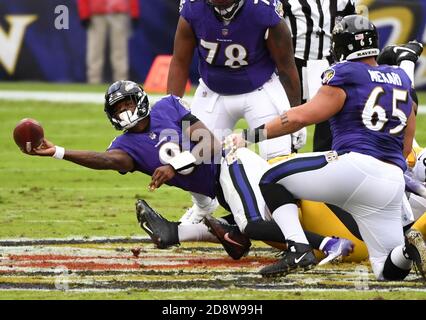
280, 46
183, 51
110, 160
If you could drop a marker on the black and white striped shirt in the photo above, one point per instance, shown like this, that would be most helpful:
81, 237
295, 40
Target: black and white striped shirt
311, 23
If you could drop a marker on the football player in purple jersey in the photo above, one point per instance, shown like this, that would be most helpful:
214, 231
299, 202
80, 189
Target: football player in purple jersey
372, 119
246, 67
171, 145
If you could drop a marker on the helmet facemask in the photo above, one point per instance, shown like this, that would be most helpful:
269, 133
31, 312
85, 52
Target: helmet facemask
127, 119
122, 91
226, 9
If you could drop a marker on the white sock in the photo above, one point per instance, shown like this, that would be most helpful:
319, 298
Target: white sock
408, 66
201, 200
399, 260
195, 232
287, 218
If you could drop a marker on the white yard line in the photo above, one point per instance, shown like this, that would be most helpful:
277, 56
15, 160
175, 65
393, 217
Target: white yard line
80, 97
71, 240
308, 290
63, 97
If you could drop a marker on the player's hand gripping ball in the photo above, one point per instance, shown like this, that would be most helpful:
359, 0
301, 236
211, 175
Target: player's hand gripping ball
28, 134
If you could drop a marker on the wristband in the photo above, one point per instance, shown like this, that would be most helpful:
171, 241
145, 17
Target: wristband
59, 153
255, 135
408, 66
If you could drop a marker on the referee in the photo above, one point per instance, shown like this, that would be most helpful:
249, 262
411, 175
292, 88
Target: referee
311, 23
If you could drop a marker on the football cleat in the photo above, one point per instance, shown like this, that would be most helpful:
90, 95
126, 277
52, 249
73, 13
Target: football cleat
298, 256
335, 249
235, 243
161, 231
196, 214
415, 249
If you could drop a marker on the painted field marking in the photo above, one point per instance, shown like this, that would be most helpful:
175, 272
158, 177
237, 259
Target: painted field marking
102, 264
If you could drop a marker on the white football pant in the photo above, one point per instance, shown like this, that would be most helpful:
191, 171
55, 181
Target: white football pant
240, 186
220, 113
369, 189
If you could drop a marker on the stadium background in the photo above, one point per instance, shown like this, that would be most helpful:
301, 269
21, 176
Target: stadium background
42, 75
48, 54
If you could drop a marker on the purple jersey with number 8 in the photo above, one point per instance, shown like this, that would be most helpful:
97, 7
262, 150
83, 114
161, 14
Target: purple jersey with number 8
150, 149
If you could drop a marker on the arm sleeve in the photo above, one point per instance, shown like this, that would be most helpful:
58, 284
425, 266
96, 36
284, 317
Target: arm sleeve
191, 118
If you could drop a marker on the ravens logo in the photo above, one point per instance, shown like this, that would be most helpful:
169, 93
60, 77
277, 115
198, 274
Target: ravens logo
327, 76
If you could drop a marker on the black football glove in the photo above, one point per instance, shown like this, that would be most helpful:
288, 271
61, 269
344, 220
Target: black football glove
387, 56
393, 55
412, 52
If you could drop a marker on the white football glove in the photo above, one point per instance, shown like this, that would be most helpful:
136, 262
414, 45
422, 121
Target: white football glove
231, 144
298, 138
234, 141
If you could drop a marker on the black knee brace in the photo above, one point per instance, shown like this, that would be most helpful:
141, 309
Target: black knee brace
276, 195
392, 272
264, 231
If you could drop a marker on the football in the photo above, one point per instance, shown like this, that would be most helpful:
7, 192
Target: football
28, 134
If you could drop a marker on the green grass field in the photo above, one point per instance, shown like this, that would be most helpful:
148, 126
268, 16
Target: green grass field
240, 294
47, 198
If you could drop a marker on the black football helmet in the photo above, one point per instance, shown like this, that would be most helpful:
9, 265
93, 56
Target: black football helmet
226, 9
354, 37
120, 91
